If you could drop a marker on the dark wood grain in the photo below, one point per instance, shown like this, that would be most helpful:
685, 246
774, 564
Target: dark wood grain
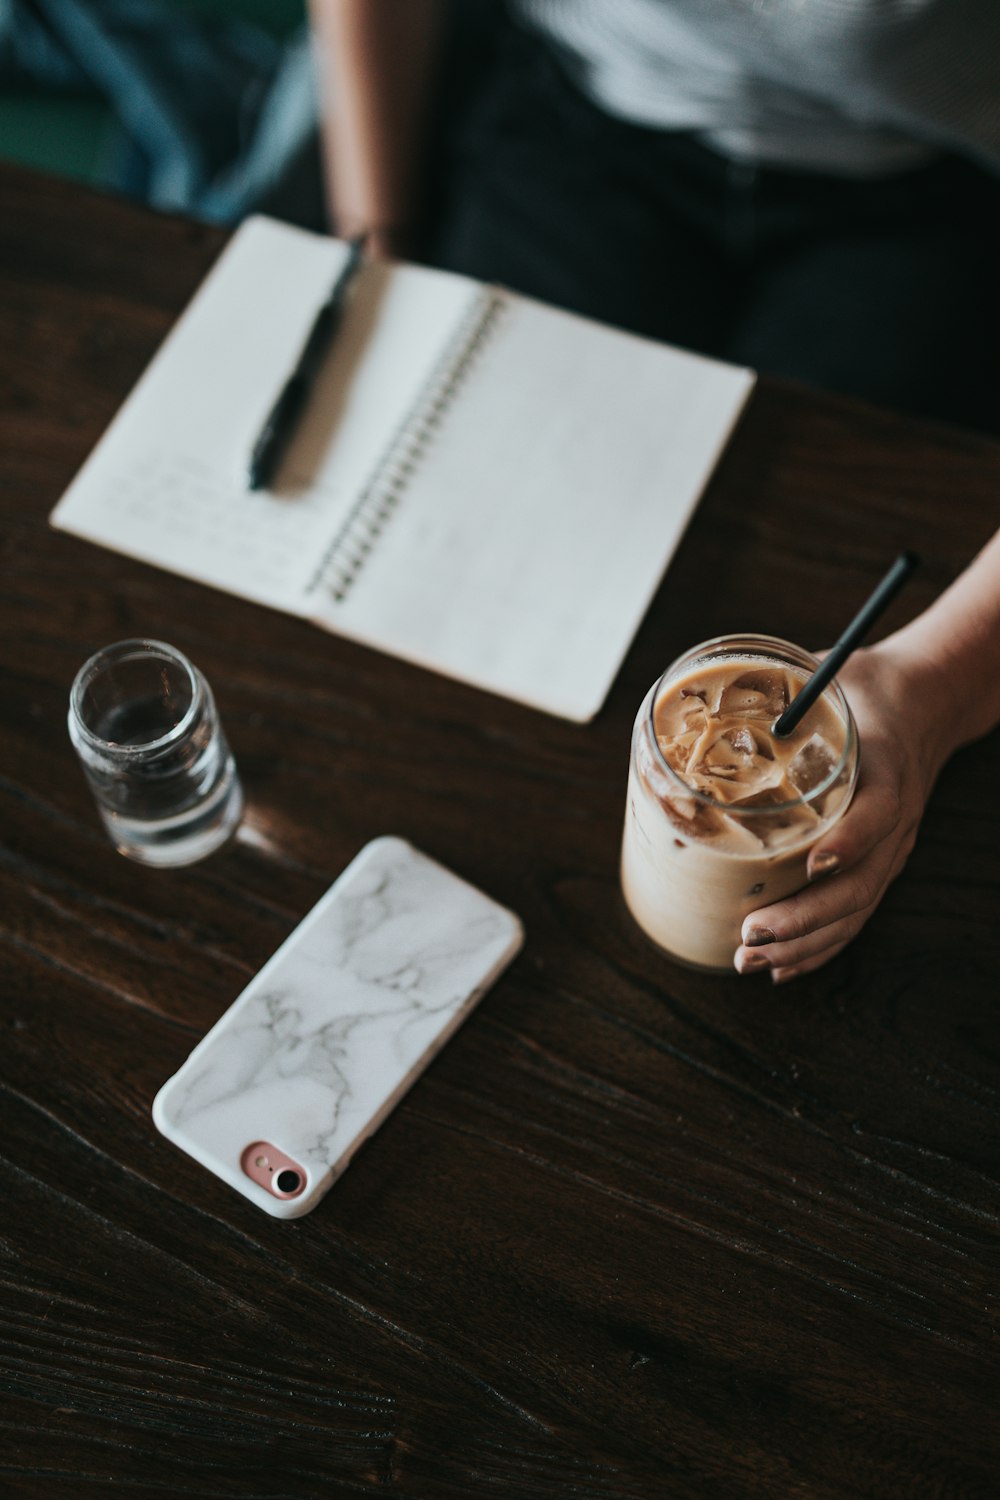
638, 1232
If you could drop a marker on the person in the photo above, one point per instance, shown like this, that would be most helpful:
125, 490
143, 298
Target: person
807, 188
917, 696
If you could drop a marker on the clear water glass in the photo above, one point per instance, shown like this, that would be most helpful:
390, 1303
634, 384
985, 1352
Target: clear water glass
144, 724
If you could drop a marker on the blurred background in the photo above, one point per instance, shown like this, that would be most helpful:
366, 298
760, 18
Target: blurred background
202, 106
878, 283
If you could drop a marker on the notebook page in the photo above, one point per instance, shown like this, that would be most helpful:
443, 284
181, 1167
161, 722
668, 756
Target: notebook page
530, 539
167, 481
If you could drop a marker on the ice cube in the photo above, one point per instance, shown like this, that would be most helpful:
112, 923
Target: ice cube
741, 740
733, 750
785, 825
676, 748
732, 790
731, 769
768, 796
707, 693
811, 765
741, 839
693, 715
694, 817
761, 694
793, 825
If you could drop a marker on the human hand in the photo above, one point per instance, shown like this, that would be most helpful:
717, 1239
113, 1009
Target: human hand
902, 751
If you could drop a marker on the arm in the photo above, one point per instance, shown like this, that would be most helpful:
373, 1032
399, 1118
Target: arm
375, 60
917, 697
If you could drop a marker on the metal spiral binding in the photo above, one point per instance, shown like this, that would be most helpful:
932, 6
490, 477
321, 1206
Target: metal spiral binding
347, 553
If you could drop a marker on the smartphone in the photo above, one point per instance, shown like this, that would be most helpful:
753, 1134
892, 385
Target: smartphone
322, 1044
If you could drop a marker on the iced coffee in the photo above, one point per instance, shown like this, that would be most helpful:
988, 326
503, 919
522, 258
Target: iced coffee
721, 813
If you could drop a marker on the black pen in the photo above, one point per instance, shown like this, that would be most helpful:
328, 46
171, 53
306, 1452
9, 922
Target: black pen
285, 412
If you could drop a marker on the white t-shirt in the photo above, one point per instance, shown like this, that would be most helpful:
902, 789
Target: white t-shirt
851, 86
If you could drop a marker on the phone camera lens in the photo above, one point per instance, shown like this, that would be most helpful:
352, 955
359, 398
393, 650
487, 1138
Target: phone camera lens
287, 1181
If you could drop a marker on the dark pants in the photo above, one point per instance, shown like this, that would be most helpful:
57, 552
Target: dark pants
882, 289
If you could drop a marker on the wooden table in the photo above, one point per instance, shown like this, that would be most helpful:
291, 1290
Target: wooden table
638, 1232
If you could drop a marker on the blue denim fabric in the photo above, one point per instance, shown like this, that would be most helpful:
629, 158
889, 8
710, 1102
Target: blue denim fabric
209, 114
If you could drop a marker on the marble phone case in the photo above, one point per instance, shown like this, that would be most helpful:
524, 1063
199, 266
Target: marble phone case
326, 1039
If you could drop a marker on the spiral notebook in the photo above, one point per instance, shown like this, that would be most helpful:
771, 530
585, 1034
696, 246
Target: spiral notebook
481, 484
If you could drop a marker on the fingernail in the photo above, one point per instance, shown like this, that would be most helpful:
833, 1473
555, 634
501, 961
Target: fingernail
756, 937
750, 961
824, 863
782, 976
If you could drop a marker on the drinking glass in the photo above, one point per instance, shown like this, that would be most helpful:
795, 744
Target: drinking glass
144, 724
693, 867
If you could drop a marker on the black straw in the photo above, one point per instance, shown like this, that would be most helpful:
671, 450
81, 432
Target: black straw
851, 638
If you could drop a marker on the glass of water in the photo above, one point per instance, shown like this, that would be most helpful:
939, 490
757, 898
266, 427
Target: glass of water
143, 721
